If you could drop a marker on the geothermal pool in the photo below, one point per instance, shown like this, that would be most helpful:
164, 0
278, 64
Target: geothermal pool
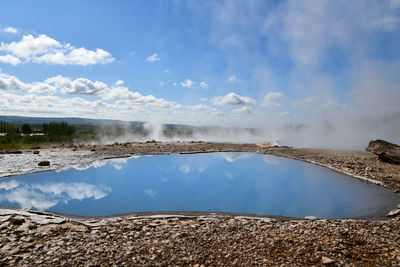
240, 182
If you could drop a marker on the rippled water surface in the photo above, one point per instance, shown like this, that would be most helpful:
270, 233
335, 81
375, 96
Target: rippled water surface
215, 182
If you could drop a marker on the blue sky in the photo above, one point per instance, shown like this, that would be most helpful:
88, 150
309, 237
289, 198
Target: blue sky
242, 63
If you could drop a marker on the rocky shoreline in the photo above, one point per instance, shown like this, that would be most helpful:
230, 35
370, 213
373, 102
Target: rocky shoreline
362, 165
37, 238
40, 239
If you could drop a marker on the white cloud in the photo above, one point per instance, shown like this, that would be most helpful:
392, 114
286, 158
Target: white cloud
44, 49
9, 30
203, 99
45, 196
9, 185
30, 46
175, 84
203, 108
85, 166
150, 192
233, 99
243, 110
13, 84
34, 99
185, 169
153, 58
76, 56
125, 96
187, 83
233, 79
78, 191
119, 82
389, 23
204, 85
55, 106
167, 71
81, 86
10, 60
28, 199
42, 88
232, 157
311, 29
272, 99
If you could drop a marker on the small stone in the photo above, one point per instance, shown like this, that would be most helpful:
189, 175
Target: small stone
394, 212
310, 217
17, 220
26, 239
44, 163
327, 261
24, 227
5, 218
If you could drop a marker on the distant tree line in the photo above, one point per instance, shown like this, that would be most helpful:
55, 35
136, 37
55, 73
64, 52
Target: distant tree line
10, 133
58, 129
8, 128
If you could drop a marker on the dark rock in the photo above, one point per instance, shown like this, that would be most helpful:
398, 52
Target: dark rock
11, 151
391, 156
17, 220
386, 151
44, 163
36, 152
379, 146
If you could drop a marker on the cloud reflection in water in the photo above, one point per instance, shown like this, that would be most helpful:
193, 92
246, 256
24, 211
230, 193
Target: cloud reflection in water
116, 163
45, 196
232, 156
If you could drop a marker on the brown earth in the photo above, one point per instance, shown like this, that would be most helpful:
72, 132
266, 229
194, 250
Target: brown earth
29, 239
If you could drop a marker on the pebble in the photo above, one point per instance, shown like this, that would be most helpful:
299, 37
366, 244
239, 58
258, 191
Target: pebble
327, 261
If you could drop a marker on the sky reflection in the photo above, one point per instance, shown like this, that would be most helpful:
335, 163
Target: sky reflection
212, 182
45, 196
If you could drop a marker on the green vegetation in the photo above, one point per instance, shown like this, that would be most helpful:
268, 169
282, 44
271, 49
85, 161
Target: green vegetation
14, 136
58, 131
8, 132
26, 128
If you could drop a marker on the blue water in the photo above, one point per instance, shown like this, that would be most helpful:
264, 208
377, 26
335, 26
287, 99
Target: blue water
215, 182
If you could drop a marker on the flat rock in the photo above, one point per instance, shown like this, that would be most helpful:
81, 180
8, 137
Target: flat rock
378, 146
386, 151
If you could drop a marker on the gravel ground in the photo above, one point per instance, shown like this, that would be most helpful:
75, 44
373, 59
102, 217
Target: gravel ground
41, 240
31, 238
